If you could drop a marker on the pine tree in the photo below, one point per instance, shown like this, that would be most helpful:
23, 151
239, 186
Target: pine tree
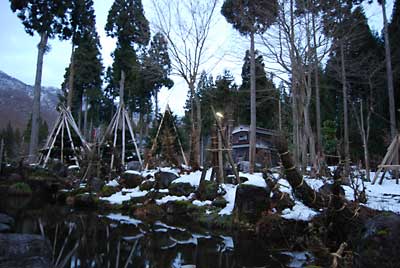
250, 18
48, 19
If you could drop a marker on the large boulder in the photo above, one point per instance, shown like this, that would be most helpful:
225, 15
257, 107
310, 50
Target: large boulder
327, 189
379, 244
147, 185
250, 202
24, 250
131, 179
181, 189
164, 179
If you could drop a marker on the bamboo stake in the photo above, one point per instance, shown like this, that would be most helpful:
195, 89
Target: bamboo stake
77, 131
115, 138
384, 161
123, 142
179, 140
72, 142
392, 156
133, 138
109, 128
153, 146
50, 136
52, 145
62, 141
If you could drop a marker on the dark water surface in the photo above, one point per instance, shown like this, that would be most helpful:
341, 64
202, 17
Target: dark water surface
87, 239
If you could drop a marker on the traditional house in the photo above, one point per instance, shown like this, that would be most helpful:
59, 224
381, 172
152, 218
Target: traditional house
266, 153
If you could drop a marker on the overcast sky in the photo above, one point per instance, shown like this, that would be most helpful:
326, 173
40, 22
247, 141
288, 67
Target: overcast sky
18, 50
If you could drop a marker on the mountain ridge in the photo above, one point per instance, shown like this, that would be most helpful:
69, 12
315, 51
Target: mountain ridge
16, 99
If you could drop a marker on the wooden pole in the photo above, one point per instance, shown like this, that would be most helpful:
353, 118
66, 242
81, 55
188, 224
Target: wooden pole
179, 140
123, 142
153, 146
1, 153
384, 161
62, 141
52, 144
133, 137
220, 158
71, 142
115, 138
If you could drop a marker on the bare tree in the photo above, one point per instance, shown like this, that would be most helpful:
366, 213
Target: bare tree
186, 25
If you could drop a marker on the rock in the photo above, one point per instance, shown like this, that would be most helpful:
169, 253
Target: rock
181, 189
149, 211
4, 218
131, 180
250, 202
164, 179
147, 185
15, 177
84, 201
20, 188
219, 202
24, 250
4, 228
96, 184
379, 244
208, 190
107, 191
179, 207
281, 201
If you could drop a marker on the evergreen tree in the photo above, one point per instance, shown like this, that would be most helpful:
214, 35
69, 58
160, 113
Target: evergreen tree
267, 95
48, 19
249, 18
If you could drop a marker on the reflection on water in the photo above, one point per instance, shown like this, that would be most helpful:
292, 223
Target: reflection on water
86, 239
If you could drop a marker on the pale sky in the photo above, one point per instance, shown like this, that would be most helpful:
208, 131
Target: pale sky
18, 50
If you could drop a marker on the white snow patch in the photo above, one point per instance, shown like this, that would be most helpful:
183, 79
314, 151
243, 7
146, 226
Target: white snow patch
192, 178
123, 219
299, 212
168, 198
159, 223
73, 167
201, 203
230, 197
228, 242
132, 172
113, 183
255, 179
124, 195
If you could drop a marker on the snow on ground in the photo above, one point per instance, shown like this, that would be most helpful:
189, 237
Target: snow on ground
124, 195
201, 203
193, 178
230, 197
123, 219
381, 197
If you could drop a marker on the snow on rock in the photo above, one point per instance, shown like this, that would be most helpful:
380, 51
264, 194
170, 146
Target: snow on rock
123, 219
124, 195
113, 183
255, 179
73, 167
201, 203
299, 212
168, 198
192, 178
132, 172
230, 197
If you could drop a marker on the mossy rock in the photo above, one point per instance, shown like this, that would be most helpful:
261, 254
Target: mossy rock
147, 185
20, 188
216, 221
164, 179
138, 199
107, 191
85, 201
131, 180
181, 189
148, 212
219, 202
155, 195
181, 207
208, 190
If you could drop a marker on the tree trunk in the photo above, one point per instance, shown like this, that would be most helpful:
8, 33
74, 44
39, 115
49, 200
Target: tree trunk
389, 76
71, 79
85, 117
345, 112
317, 91
156, 104
34, 141
121, 88
196, 129
365, 141
252, 141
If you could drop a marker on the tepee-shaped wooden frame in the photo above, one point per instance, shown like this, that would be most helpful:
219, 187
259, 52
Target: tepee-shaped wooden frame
120, 118
154, 144
387, 162
65, 123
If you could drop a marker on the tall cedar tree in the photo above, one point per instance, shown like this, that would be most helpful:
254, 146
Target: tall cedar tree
157, 67
48, 19
394, 37
250, 17
126, 22
267, 95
